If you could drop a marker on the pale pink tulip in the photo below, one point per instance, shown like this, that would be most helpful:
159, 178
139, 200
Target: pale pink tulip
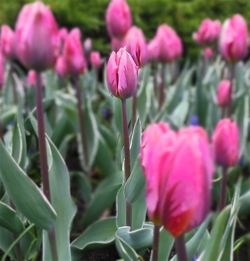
224, 93
95, 59
7, 42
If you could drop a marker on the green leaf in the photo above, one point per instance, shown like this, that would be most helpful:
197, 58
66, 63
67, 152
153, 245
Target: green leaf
24, 193
9, 219
102, 199
165, 245
99, 233
212, 250
63, 204
138, 239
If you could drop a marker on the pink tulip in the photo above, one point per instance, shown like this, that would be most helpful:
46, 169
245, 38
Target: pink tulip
233, 43
7, 42
118, 18
186, 178
169, 44
117, 44
224, 93
87, 45
73, 53
208, 32
32, 78
61, 67
208, 53
122, 74
2, 78
136, 45
152, 50
226, 143
155, 136
63, 33
95, 59
37, 36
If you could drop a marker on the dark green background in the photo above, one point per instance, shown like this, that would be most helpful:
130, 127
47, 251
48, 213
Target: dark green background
89, 15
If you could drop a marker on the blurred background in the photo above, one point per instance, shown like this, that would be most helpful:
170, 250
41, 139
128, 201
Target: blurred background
184, 15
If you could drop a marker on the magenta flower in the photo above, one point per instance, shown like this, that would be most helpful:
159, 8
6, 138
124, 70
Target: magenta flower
169, 44
32, 78
233, 43
224, 93
61, 67
136, 45
117, 44
95, 59
122, 74
208, 32
7, 42
152, 50
226, 143
208, 53
37, 37
118, 18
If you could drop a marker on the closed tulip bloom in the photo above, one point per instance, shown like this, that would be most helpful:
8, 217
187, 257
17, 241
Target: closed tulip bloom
226, 143
32, 77
122, 74
169, 44
7, 42
186, 178
233, 43
61, 67
136, 45
73, 53
2, 78
208, 32
62, 35
118, 18
155, 138
95, 59
87, 45
37, 37
224, 93
208, 53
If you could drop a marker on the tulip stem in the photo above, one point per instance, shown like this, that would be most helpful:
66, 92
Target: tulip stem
14, 90
223, 189
162, 86
180, 248
127, 158
156, 242
43, 158
81, 121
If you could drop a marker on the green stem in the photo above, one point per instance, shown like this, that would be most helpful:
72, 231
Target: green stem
127, 158
162, 86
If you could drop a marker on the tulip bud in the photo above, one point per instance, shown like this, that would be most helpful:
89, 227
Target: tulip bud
73, 53
61, 67
233, 43
32, 78
37, 37
136, 45
62, 35
2, 78
7, 42
122, 74
87, 45
95, 59
208, 53
150, 161
118, 18
169, 44
186, 179
208, 32
226, 143
224, 93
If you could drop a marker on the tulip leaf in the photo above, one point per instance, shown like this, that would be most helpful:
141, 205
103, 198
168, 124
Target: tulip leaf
165, 245
121, 207
24, 193
9, 219
138, 239
101, 232
102, 199
63, 204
